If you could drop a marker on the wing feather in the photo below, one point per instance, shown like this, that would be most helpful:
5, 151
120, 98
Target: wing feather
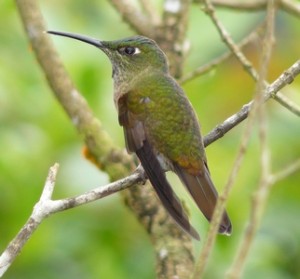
136, 141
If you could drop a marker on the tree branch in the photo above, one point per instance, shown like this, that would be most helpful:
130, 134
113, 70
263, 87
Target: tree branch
47, 207
218, 60
227, 39
284, 79
285, 172
288, 6
15, 246
287, 103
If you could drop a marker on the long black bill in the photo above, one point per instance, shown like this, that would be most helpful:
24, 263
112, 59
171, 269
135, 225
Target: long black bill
78, 37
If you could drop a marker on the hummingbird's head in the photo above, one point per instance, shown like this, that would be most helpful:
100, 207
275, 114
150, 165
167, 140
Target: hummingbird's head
135, 54
129, 56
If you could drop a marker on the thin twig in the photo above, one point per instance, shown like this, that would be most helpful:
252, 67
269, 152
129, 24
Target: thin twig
100, 192
249, 6
218, 60
14, 247
261, 195
289, 6
287, 103
227, 39
46, 207
285, 172
284, 79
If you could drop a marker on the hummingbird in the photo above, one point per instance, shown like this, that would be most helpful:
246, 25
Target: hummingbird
160, 125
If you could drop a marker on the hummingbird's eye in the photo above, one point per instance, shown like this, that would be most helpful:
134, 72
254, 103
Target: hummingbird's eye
129, 50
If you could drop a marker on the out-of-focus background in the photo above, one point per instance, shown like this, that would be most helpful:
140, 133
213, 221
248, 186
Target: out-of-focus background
102, 239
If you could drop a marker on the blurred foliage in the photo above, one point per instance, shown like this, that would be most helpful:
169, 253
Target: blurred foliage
103, 240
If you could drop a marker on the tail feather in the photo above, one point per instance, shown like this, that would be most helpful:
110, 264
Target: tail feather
205, 195
163, 189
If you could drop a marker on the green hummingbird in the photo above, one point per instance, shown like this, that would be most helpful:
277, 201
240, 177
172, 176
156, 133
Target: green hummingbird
160, 125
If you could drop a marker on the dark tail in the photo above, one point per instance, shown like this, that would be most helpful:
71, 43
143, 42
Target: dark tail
163, 189
205, 195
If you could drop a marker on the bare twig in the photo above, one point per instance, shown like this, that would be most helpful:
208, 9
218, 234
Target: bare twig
289, 6
287, 103
284, 79
227, 39
260, 197
46, 207
15, 246
218, 60
285, 172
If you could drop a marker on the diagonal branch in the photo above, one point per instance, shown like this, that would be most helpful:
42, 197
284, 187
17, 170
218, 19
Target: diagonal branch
218, 60
227, 39
290, 7
284, 79
287, 103
16, 245
46, 207
285, 172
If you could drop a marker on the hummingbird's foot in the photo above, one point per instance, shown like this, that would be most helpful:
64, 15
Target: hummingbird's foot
140, 170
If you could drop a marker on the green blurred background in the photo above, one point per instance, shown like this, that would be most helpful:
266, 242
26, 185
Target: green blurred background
103, 239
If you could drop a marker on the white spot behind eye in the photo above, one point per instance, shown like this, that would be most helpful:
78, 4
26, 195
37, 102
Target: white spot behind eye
137, 50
